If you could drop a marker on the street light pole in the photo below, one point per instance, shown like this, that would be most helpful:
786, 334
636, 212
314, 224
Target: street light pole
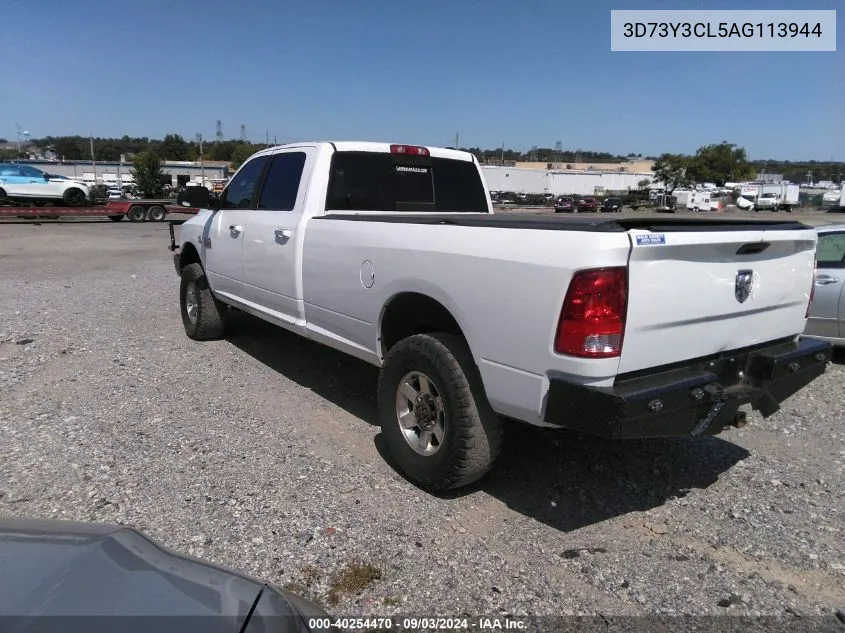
202, 164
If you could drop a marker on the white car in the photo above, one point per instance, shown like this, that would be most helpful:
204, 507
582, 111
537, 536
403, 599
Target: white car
623, 327
25, 183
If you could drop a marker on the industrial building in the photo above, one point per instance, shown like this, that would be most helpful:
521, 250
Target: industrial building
114, 173
557, 182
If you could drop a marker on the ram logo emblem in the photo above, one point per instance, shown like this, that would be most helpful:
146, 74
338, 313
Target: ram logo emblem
742, 286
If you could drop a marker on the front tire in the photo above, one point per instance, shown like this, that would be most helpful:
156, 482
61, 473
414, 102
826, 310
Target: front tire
203, 316
116, 218
73, 197
437, 423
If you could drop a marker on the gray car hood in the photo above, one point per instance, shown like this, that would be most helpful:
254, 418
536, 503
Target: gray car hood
64, 576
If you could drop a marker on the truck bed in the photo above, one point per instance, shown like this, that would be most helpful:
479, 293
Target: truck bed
595, 223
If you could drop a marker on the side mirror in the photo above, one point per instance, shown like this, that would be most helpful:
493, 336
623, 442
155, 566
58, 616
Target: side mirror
196, 197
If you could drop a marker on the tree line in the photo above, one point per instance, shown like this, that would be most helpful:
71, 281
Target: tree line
712, 163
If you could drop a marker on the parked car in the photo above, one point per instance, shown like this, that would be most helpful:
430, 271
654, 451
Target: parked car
565, 204
827, 313
630, 327
588, 205
25, 183
99, 577
611, 205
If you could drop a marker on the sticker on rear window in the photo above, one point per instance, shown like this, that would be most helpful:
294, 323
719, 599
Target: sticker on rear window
651, 238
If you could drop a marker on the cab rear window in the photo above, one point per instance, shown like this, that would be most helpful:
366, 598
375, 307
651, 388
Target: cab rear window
370, 181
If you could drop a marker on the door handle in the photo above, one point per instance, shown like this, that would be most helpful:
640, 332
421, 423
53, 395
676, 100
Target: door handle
283, 235
824, 280
235, 229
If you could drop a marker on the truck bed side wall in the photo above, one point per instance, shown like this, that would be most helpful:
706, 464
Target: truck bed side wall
504, 288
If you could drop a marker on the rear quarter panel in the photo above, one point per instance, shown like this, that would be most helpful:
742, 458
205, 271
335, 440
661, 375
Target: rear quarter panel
504, 287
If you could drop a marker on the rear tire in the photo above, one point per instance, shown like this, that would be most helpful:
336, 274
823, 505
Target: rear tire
157, 213
203, 316
74, 197
136, 213
2, 195
470, 431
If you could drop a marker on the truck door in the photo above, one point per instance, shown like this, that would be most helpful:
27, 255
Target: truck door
227, 230
828, 310
273, 238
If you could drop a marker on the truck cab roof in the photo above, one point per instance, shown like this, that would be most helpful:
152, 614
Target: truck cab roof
368, 146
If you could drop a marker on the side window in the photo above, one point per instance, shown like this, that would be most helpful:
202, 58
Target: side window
282, 183
240, 192
10, 170
31, 172
830, 252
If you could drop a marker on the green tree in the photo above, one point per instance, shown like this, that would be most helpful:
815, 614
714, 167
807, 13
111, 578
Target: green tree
173, 147
147, 172
721, 163
672, 170
643, 184
240, 154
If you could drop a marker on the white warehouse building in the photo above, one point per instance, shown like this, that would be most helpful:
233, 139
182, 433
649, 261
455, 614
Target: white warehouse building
583, 183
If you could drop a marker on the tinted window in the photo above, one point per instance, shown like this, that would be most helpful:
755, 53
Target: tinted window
241, 190
282, 183
384, 182
10, 170
830, 251
31, 172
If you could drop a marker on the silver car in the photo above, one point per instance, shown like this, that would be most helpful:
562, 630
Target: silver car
827, 313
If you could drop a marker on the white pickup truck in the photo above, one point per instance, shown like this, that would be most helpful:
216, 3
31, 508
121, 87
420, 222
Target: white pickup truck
630, 327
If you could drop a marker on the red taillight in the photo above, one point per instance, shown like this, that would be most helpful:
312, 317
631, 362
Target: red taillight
592, 320
412, 150
812, 287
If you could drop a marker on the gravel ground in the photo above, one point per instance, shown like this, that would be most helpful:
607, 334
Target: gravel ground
261, 452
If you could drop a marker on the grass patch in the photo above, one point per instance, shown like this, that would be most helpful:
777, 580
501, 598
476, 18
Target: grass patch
352, 580
308, 576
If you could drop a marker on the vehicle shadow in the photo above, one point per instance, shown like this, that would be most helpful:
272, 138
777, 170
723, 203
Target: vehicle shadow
569, 480
346, 381
588, 479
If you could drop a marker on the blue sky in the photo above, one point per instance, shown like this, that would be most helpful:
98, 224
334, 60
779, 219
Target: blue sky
518, 72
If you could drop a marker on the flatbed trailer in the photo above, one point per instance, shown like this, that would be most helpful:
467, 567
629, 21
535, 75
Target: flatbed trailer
115, 210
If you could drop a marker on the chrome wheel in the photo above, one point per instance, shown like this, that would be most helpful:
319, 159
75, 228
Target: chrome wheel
420, 413
191, 303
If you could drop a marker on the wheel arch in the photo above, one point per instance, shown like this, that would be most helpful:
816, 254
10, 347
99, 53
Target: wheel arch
407, 313
189, 255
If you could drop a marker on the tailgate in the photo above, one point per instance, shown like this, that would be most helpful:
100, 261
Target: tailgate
699, 290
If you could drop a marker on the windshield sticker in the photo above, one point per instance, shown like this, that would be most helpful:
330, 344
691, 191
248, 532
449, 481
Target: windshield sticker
651, 239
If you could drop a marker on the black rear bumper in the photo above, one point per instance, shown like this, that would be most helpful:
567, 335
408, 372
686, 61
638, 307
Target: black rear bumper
695, 398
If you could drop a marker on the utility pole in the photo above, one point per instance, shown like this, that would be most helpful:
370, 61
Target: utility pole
202, 164
219, 132
503, 153
267, 139
93, 164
